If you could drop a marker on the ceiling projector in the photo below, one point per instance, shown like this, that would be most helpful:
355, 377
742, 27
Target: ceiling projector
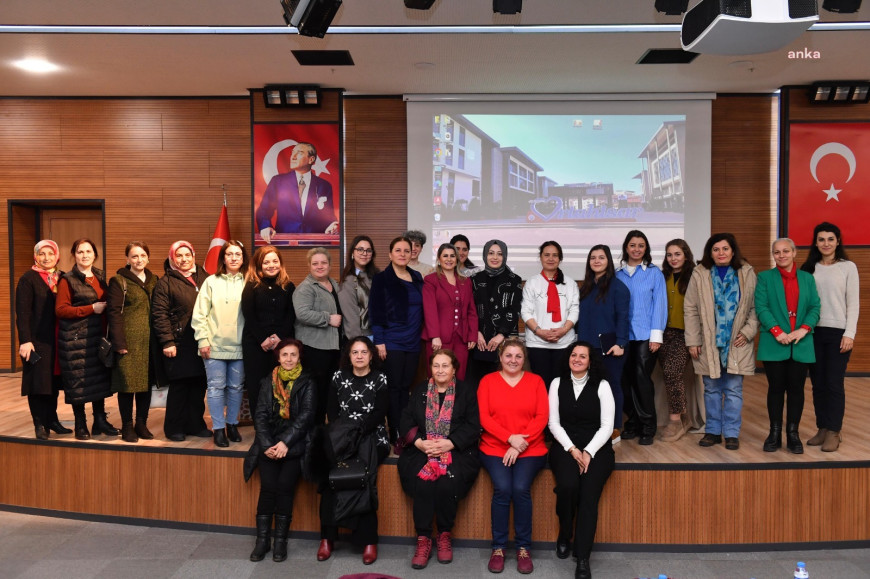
745, 26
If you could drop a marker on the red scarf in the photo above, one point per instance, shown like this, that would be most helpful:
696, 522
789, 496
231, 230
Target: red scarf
553, 306
792, 292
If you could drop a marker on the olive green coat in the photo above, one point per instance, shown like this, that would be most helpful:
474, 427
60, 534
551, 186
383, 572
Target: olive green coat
131, 330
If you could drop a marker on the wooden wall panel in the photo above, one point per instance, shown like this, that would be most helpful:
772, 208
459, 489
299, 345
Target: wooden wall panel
669, 507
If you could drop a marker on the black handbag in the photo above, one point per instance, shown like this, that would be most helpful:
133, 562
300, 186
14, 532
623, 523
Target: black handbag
107, 355
349, 475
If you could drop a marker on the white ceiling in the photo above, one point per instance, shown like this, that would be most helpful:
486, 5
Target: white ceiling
220, 64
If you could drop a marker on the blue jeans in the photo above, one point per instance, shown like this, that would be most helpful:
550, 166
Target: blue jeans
512, 483
723, 398
225, 381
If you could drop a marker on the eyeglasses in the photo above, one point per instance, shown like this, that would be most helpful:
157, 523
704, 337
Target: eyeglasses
365, 250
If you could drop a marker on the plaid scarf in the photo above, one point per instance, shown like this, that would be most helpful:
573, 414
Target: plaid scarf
438, 427
282, 386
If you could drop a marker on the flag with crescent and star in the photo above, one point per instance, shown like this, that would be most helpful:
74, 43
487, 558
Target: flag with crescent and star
828, 180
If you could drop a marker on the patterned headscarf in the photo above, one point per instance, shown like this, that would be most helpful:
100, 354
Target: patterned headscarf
174, 248
49, 276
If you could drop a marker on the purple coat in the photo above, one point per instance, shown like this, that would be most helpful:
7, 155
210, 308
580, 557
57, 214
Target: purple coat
282, 196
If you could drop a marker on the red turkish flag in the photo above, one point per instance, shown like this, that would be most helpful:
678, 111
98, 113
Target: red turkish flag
220, 237
829, 180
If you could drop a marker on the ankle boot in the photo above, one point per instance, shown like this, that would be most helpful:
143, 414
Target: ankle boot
101, 425
773, 442
793, 439
264, 538
128, 432
819, 438
282, 528
59, 428
832, 441
41, 430
142, 429
81, 428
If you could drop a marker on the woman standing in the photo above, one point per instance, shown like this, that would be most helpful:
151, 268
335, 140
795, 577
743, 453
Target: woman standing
396, 311
603, 320
267, 306
356, 283
837, 283
551, 302
318, 324
465, 265
498, 293
37, 335
283, 419
677, 269
358, 393
218, 325
80, 304
448, 309
442, 461
720, 323
513, 414
648, 318
581, 458
171, 311
129, 313
788, 306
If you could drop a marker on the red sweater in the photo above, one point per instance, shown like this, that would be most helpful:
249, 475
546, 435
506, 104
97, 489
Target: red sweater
507, 410
63, 303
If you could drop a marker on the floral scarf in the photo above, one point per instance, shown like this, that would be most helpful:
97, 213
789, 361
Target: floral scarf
438, 427
282, 386
49, 276
726, 293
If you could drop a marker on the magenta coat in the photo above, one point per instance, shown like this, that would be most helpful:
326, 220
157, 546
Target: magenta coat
448, 311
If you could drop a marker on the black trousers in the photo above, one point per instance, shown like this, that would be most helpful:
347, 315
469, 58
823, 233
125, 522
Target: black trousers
579, 494
321, 364
477, 369
400, 369
125, 405
546, 363
185, 406
97, 407
364, 529
278, 479
43, 407
435, 499
638, 388
828, 375
786, 377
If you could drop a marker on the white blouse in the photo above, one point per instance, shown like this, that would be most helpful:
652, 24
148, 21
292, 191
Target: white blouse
608, 407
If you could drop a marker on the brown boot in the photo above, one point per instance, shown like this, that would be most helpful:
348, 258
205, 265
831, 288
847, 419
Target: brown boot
832, 441
819, 438
673, 431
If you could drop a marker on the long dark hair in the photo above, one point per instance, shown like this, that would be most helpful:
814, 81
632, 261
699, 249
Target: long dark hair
596, 366
647, 254
560, 277
603, 284
460, 237
737, 260
815, 256
350, 268
688, 267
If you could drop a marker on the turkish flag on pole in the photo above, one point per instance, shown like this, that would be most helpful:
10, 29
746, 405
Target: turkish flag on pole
220, 237
828, 180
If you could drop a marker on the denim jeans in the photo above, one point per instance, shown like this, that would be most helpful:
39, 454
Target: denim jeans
226, 379
723, 398
512, 483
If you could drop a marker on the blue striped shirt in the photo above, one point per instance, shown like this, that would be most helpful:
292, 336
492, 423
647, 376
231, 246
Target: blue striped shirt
648, 310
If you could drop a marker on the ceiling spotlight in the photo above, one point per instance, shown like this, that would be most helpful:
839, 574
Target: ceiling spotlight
291, 95
310, 17
672, 7
840, 92
507, 6
842, 6
419, 4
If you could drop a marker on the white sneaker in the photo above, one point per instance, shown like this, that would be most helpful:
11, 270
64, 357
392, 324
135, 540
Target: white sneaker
616, 440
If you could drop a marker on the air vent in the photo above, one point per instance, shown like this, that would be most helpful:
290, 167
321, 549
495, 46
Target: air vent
323, 57
667, 56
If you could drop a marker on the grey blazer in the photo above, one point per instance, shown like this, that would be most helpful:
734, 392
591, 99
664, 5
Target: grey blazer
313, 305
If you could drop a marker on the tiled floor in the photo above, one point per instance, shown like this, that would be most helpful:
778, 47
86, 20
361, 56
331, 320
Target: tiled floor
39, 547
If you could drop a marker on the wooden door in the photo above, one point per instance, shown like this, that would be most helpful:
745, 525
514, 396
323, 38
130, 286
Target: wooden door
66, 225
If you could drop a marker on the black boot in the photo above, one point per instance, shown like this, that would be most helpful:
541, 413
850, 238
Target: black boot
233, 433
264, 538
81, 427
128, 432
41, 430
220, 437
102, 426
59, 428
793, 439
583, 571
282, 528
773, 442
142, 429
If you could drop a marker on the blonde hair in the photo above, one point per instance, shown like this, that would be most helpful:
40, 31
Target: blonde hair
315, 250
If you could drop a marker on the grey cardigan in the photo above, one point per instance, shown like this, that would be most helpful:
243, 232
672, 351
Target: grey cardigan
313, 305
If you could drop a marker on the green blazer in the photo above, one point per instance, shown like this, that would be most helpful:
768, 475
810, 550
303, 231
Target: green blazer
771, 311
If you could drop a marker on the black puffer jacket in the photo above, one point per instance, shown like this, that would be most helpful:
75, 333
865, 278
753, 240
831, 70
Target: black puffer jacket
171, 309
85, 378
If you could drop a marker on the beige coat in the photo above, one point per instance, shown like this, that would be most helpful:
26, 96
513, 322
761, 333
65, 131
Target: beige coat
700, 316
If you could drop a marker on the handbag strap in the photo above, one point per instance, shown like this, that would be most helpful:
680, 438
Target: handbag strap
124, 287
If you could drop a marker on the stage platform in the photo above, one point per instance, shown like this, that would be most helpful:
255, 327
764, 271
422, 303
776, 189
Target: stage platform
664, 496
